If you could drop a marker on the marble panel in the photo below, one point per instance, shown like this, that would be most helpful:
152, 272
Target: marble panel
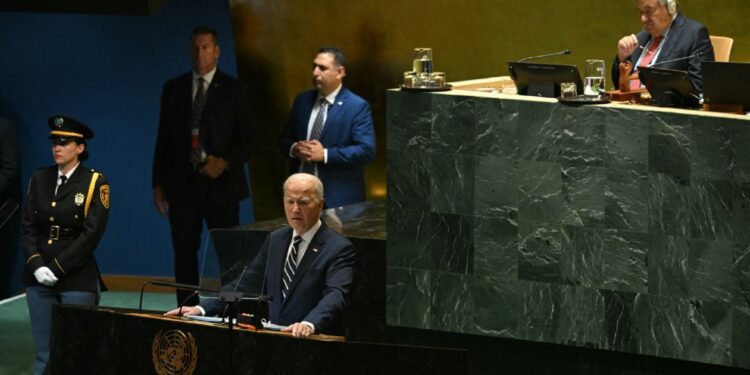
668, 205
409, 232
582, 318
409, 182
496, 249
408, 121
540, 192
454, 125
451, 243
540, 250
496, 192
710, 210
583, 191
408, 298
452, 183
496, 128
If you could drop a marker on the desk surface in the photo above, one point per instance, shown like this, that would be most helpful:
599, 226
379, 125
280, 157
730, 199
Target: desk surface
468, 88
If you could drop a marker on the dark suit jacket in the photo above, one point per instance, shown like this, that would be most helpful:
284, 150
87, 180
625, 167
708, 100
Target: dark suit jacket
10, 187
226, 130
348, 135
70, 259
320, 288
686, 37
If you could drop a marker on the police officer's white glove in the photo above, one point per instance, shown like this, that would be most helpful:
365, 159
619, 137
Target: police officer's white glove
45, 276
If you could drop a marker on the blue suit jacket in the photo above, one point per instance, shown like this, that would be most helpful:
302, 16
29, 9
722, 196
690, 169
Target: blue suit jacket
686, 37
348, 135
320, 288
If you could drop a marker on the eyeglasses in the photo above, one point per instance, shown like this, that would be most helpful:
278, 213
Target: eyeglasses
648, 12
301, 203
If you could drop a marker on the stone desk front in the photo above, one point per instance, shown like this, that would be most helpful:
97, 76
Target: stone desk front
614, 226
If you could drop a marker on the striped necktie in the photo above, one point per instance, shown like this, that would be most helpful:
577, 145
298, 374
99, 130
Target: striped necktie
315, 133
290, 267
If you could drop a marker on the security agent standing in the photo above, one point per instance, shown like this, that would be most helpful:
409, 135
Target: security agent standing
66, 212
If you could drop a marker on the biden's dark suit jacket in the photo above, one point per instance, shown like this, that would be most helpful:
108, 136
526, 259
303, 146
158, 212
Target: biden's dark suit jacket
686, 37
320, 288
348, 135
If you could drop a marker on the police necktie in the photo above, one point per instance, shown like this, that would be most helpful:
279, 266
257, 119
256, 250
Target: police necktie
290, 267
315, 133
63, 179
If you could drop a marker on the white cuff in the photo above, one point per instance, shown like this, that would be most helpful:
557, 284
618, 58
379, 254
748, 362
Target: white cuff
312, 326
203, 311
291, 150
325, 156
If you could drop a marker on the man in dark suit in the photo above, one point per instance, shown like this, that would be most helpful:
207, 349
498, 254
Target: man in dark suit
666, 35
205, 137
306, 268
10, 197
330, 133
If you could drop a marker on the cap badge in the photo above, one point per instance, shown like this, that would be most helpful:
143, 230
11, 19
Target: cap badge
59, 122
79, 199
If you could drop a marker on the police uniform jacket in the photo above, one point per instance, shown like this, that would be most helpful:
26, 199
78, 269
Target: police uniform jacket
62, 231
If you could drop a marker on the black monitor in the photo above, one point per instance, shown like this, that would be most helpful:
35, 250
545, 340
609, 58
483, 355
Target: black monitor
726, 83
669, 88
543, 79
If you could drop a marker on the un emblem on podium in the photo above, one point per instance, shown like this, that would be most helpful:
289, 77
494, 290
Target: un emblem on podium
174, 353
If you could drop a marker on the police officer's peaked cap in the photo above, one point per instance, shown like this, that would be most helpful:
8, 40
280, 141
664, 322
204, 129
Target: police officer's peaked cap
66, 128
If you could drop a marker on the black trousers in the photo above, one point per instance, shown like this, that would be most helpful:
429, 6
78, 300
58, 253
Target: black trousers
186, 218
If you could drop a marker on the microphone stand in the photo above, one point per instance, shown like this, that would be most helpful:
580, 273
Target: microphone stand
563, 52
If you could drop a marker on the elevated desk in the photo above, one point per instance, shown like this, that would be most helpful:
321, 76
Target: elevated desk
614, 227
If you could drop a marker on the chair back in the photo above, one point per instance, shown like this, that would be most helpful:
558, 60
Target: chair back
722, 47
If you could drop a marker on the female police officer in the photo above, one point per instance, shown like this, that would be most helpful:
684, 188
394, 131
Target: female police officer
66, 211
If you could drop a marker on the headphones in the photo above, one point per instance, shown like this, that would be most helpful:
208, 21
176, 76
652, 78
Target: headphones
671, 6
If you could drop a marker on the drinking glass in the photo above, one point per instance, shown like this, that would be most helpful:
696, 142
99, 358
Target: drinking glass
593, 84
422, 60
568, 89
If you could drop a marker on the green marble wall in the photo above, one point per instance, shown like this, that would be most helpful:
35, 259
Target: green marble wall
600, 227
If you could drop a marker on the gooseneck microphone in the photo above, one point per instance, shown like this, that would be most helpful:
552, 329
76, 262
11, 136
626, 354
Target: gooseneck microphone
563, 52
697, 54
194, 288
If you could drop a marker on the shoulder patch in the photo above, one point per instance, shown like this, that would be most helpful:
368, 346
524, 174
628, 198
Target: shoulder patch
104, 195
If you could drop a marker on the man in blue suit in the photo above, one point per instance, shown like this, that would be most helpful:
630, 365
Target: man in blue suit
306, 269
667, 35
330, 133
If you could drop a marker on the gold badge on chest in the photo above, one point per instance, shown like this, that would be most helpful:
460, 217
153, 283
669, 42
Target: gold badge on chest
79, 199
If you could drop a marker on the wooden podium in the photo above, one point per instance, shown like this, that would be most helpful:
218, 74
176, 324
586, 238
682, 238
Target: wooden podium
102, 340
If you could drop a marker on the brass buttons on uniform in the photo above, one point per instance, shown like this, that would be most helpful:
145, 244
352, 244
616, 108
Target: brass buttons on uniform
76, 216
52, 219
54, 204
49, 242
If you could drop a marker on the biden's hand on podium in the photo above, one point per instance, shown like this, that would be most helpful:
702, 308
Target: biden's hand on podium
214, 167
299, 330
160, 201
626, 46
186, 310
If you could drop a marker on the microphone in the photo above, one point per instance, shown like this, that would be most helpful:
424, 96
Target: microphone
563, 52
697, 54
194, 288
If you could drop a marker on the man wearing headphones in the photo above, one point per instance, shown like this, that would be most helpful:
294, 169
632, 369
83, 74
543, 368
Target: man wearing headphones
667, 35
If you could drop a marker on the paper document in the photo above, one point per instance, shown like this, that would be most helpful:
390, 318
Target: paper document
211, 319
271, 327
